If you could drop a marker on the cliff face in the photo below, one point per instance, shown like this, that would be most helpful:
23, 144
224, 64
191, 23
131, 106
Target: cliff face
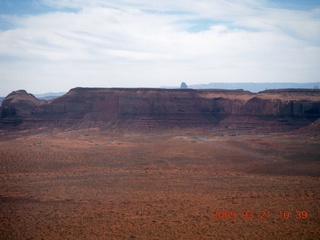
18, 106
286, 108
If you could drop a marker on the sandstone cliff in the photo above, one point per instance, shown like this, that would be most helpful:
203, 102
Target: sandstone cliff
18, 106
285, 109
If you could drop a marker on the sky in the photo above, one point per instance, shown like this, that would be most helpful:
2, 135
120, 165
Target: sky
56, 45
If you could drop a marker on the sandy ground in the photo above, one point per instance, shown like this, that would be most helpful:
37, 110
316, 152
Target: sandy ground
179, 184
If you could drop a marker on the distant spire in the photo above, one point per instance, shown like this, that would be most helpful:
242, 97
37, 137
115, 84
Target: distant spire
183, 85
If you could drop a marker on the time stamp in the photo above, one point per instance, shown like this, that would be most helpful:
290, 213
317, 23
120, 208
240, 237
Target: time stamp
262, 214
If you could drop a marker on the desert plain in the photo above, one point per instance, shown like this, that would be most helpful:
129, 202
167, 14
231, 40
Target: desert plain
160, 184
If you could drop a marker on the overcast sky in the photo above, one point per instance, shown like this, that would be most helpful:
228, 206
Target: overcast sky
55, 45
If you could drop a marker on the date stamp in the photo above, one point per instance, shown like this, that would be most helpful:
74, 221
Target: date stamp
260, 215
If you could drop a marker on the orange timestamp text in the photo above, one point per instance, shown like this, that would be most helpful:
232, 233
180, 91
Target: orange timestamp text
262, 214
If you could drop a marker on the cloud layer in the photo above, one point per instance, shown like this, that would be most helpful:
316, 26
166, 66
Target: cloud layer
152, 44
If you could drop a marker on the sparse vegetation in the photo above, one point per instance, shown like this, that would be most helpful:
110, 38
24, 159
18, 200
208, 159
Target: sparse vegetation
105, 185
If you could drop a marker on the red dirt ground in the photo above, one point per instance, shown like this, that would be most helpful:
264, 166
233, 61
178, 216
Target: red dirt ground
92, 184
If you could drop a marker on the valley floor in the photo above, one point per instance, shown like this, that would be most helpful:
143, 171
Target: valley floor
178, 184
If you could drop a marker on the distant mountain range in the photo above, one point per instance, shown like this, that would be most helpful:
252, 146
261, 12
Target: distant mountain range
48, 96
256, 87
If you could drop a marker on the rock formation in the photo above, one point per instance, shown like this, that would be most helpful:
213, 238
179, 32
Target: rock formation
183, 85
277, 109
18, 106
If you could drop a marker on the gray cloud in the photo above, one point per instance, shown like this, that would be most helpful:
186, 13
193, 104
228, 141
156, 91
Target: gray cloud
150, 44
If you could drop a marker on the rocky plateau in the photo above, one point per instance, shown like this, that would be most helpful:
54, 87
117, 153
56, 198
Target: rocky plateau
277, 110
